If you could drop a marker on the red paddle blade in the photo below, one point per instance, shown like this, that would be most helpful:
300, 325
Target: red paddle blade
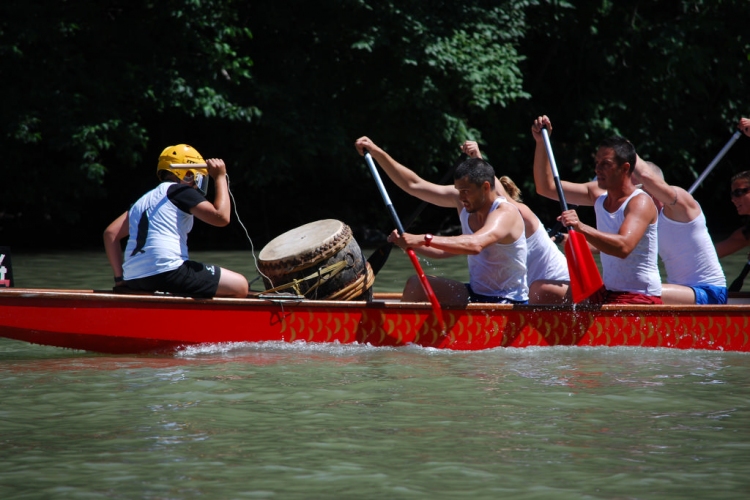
585, 279
427, 288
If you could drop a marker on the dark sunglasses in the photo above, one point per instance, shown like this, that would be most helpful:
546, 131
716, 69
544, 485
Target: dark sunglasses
740, 192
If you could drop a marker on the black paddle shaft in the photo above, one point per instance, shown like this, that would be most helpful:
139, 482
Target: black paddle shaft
736, 285
380, 255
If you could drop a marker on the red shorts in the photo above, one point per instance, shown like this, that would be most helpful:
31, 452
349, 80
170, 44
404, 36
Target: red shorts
604, 296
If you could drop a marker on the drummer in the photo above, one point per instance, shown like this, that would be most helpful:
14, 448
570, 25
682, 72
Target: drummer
493, 233
157, 225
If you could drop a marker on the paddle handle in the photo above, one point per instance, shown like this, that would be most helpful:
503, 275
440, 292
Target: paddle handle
555, 174
380, 255
585, 279
400, 228
384, 193
716, 160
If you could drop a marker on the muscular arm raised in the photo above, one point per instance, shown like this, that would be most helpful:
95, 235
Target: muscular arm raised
217, 213
679, 205
408, 180
575, 193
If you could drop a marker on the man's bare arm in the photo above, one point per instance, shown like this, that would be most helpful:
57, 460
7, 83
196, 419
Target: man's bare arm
679, 205
407, 179
575, 193
639, 213
734, 243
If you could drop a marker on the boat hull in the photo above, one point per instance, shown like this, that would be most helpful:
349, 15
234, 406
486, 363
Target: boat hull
113, 323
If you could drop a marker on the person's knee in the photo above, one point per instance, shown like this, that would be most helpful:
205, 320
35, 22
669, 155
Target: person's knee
413, 291
241, 286
549, 292
232, 284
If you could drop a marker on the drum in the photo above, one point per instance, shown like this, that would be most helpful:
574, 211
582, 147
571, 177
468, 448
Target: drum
320, 260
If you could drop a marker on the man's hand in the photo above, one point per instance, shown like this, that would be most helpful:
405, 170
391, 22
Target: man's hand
364, 143
216, 167
744, 125
540, 123
406, 240
471, 149
569, 218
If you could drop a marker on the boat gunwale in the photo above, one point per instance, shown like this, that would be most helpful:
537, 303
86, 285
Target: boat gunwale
380, 300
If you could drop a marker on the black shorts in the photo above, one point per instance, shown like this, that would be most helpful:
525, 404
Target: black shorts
490, 299
191, 279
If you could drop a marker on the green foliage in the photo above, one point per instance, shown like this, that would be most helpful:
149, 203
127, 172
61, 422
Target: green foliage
94, 91
670, 76
88, 78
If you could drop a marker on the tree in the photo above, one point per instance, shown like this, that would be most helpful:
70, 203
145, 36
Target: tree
670, 76
93, 91
86, 83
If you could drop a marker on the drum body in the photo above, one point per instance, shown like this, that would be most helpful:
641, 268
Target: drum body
320, 260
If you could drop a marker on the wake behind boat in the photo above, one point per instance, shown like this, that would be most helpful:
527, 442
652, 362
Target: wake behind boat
106, 322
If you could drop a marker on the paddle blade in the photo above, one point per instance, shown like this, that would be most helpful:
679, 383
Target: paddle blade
379, 256
427, 288
736, 285
585, 279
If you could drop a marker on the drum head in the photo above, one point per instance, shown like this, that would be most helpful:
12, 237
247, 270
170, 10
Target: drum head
305, 245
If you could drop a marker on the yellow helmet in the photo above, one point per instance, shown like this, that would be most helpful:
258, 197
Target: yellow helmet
183, 154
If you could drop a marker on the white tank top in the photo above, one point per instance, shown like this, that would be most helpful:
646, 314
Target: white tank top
160, 243
500, 269
688, 253
639, 271
544, 260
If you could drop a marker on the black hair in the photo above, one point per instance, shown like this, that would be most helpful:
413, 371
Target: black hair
623, 148
477, 170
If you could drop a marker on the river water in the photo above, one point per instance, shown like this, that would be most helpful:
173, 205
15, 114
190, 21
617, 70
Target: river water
305, 421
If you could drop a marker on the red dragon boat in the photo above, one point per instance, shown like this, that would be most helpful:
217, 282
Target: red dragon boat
105, 322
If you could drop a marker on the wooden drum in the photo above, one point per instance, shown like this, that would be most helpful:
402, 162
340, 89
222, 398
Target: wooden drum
320, 260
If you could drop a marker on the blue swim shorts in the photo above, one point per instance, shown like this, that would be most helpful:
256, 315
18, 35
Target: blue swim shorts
489, 299
709, 294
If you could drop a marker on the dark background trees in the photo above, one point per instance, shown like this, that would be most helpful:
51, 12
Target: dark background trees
93, 91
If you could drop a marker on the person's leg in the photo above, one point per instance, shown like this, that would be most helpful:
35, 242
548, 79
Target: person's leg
450, 293
677, 294
549, 292
231, 284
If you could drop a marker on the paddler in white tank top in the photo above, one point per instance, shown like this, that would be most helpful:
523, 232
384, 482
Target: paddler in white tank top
547, 275
628, 247
496, 245
694, 274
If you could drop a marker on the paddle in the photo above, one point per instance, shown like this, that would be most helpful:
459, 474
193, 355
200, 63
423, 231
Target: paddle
413, 256
380, 255
736, 285
585, 279
716, 160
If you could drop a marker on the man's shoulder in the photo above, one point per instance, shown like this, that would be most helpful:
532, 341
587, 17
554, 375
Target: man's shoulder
641, 204
506, 207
